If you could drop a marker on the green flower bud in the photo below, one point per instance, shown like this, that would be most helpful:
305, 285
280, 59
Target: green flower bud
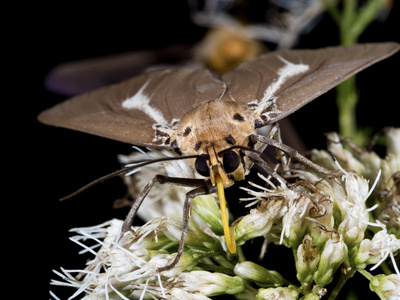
295, 223
322, 221
352, 229
196, 238
208, 210
281, 293
210, 284
253, 272
332, 256
307, 260
387, 287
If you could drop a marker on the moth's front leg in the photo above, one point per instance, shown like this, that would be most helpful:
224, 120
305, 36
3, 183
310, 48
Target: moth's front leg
189, 182
204, 190
293, 153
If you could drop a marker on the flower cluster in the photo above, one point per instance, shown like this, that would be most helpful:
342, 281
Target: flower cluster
345, 222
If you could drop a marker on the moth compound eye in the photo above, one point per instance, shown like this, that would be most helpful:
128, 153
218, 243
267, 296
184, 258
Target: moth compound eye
231, 161
202, 166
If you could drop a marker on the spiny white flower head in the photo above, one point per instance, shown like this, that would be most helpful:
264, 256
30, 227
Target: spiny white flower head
351, 198
284, 203
125, 264
377, 250
162, 200
366, 163
261, 219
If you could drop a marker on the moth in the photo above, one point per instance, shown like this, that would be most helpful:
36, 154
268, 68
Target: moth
211, 121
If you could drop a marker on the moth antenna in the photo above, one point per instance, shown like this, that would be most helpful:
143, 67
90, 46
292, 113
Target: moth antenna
124, 171
220, 153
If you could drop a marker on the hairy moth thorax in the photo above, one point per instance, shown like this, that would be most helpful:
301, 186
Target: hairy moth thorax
209, 130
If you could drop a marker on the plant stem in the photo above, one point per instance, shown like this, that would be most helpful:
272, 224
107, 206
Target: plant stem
342, 280
352, 21
365, 274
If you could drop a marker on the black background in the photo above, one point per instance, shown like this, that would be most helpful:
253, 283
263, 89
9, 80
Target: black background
47, 163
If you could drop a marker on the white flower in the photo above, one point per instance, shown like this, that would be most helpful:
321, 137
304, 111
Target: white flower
387, 287
284, 202
351, 200
377, 250
163, 199
260, 220
121, 263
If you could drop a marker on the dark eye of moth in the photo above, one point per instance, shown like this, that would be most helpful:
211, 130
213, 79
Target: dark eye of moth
202, 166
231, 161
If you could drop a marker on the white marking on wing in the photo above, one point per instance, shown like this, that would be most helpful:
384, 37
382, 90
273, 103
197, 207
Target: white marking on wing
289, 70
141, 102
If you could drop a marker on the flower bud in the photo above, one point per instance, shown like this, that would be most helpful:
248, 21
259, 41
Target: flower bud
332, 256
208, 210
209, 284
322, 221
351, 228
307, 260
279, 293
387, 287
255, 273
295, 222
196, 238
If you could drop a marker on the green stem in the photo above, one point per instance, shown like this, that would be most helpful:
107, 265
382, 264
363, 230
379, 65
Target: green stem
342, 280
352, 21
347, 100
385, 268
250, 288
366, 274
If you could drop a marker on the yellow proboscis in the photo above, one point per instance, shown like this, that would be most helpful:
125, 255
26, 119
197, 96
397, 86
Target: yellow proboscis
229, 237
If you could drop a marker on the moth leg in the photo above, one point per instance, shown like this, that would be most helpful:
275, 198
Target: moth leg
261, 162
283, 158
292, 153
189, 182
204, 190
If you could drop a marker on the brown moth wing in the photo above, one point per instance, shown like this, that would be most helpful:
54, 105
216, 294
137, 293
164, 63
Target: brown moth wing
278, 83
160, 97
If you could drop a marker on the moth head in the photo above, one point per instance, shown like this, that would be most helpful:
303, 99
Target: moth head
227, 164
215, 131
